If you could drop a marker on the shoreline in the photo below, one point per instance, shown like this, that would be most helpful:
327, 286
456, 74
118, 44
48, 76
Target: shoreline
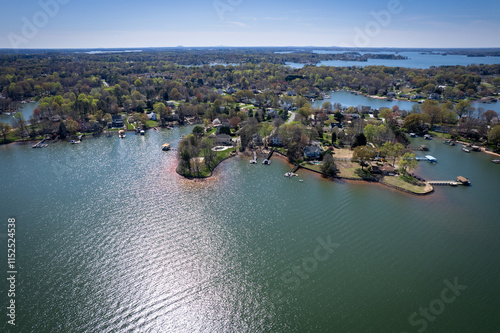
430, 188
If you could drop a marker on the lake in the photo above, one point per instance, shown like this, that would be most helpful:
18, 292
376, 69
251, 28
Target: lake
111, 239
415, 60
26, 110
347, 99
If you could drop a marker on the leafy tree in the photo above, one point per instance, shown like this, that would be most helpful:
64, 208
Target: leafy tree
489, 116
327, 106
392, 150
432, 110
370, 132
198, 131
359, 140
494, 135
225, 130
463, 108
62, 132
334, 137
362, 155
338, 116
414, 123
408, 162
328, 165
5, 129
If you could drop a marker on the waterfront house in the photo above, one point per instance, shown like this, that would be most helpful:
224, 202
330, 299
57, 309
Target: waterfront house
223, 140
257, 139
276, 141
312, 152
386, 169
291, 93
152, 116
117, 121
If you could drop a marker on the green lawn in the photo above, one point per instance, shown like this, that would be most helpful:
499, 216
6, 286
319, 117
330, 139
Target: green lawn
401, 183
151, 123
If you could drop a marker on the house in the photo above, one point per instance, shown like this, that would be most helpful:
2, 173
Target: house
275, 141
117, 121
223, 140
257, 139
152, 116
171, 104
312, 152
291, 93
230, 90
386, 169
273, 113
216, 122
434, 96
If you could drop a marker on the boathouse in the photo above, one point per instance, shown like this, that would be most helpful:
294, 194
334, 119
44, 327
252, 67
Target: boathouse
463, 180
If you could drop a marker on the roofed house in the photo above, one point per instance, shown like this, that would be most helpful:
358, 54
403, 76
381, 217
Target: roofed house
117, 121
223, 140
312, 152
386, 169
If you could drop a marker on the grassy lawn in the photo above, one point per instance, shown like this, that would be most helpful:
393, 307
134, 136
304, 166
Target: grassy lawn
401, 183
311, 166
151, 123
347, 170
440, 135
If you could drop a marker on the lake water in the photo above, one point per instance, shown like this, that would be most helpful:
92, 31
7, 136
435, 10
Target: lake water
415, 60
347, 99
111, 239
26, 110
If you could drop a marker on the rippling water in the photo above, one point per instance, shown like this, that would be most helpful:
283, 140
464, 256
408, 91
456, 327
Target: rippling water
110, 239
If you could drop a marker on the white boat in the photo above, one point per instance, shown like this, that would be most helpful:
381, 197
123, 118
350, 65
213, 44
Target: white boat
266, 162
75, 141
465, 150
142, 132
165, 147
496, 161
121, 134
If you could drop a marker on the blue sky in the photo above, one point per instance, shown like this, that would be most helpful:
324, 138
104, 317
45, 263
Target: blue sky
153, 23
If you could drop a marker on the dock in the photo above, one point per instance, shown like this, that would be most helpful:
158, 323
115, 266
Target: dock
460, 181
254, 161
444, 182
40, 144
270, 154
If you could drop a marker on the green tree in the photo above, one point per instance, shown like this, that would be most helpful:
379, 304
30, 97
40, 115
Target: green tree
198, 131
328, 165
414, 123
392, 150
338, 116
359, 140
463, 108
5, 130
62, 132
408, 162
432, 110
20, 123
370, 132
362, 155
494, 136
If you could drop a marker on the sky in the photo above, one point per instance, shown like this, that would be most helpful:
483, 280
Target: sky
154, 23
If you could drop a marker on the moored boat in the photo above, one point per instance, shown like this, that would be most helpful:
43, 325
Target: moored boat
121, 134
165, 147
496, 161
465, 150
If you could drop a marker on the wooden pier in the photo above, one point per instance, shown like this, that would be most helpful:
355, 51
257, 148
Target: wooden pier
40, 144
